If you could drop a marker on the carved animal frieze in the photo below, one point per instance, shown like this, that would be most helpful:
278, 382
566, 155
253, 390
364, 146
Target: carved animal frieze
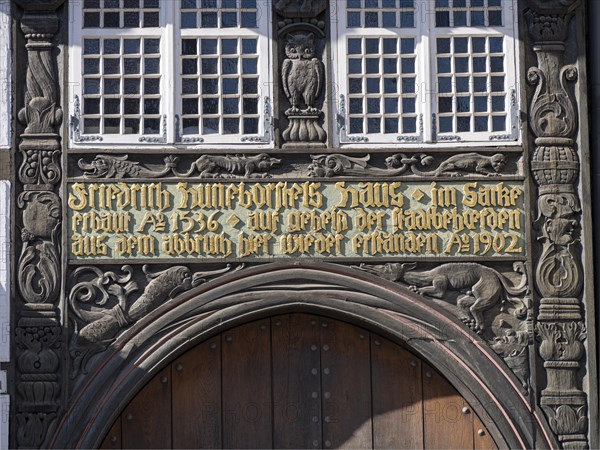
331, 165
102, 303
472, 163
111, 166
229, 166
479, 287
206, 166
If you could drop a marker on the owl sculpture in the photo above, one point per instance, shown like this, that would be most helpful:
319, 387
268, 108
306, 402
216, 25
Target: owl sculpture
301, 73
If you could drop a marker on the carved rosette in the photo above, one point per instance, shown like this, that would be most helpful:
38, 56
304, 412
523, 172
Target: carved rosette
559, 275
38, 331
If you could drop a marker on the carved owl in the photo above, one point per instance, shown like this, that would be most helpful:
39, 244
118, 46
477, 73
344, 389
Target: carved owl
301, 73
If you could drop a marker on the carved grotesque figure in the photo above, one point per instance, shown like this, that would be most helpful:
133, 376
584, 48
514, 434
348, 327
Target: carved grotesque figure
302, 73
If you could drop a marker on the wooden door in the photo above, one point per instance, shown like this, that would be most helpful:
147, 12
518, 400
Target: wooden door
298, 381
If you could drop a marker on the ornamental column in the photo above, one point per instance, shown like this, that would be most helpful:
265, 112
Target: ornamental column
38, 322
559, 275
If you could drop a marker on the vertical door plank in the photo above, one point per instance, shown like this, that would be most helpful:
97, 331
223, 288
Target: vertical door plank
196, 395
397, 396
481, 437
146, 422
113, 438
296, 381
445, 424
346, 382
246, 381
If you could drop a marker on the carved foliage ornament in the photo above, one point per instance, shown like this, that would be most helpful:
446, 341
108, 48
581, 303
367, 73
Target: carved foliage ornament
332, 165
102, 305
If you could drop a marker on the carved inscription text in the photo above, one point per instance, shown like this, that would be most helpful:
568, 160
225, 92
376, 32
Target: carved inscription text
293, 219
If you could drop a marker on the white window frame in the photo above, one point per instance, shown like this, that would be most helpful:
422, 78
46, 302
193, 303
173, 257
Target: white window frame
5, 74
426, 33
170, 33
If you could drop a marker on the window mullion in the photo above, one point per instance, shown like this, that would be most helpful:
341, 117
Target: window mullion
429, 94
169, 72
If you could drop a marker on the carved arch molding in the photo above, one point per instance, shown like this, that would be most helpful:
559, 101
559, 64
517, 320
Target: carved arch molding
529, 382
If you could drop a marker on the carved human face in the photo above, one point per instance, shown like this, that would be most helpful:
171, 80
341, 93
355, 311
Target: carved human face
300, 46
498, 162
393, 162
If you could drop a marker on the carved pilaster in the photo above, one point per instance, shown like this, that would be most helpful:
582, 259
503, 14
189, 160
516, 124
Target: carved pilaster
559, 275
38, 324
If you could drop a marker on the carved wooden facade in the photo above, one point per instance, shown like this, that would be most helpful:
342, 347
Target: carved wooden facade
529, 364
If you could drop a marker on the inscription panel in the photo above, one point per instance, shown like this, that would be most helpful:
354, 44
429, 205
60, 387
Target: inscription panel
244, 220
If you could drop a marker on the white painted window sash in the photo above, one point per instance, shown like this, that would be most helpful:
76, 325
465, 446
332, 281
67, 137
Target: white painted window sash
264, 137
510, 70
426, 33
170, 34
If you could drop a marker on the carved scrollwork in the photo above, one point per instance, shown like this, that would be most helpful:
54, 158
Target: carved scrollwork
39, 262
102, 305
552, 106
40, 166
480, 287
332, 165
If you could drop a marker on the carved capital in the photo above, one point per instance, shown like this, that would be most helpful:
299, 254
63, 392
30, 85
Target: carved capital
41, 113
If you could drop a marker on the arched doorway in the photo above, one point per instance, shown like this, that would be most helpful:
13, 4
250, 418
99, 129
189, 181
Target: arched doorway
316, 288
298, 381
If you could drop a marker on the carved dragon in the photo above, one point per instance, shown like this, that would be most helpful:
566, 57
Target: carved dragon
483, 286
111, 166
